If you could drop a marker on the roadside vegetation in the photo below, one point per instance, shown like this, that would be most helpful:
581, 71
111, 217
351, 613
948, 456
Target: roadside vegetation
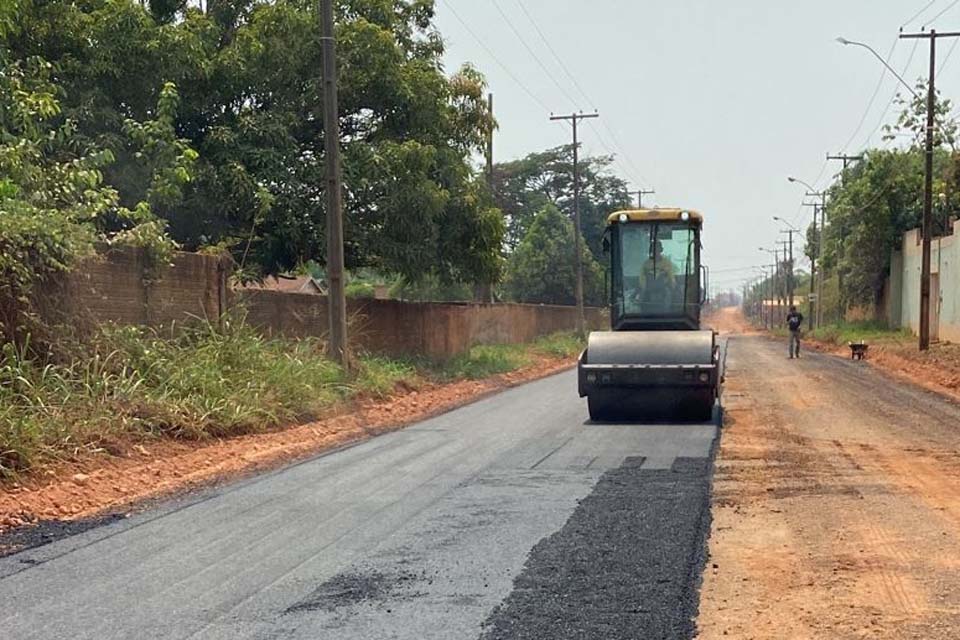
125, 385
868, 331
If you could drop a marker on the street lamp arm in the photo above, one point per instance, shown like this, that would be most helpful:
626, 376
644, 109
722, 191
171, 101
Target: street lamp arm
845, 42
779, 219
799, 181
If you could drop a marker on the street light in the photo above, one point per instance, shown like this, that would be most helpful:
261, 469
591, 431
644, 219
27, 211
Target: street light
845, 42
814, 260
789, 231
779, 219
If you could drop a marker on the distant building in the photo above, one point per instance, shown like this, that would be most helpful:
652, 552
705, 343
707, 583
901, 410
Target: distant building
290, 284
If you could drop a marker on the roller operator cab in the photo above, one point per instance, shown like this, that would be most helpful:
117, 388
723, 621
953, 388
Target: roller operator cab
655, 362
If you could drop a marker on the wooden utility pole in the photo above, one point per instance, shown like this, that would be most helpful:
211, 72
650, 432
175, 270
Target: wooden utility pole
640, 193
578, 260
927, 226
336, 299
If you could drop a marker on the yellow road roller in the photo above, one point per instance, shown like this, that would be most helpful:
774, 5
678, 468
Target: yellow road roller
656, 362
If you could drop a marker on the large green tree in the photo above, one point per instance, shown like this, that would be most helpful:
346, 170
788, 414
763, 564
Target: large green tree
523, 187
250, 104
542, 268
54, 204
881, 197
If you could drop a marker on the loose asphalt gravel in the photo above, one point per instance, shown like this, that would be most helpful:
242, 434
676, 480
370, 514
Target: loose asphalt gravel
513, 517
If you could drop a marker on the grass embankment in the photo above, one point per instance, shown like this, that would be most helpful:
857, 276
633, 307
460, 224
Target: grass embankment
869, 332
846, 332
129, 384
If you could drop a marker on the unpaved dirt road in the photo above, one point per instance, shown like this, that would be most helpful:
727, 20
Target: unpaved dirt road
836, 503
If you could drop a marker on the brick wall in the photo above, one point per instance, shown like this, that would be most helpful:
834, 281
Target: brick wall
114, 288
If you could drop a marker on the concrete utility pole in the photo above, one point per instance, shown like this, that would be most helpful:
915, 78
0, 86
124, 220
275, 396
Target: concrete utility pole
483, 291
640, 193
790, 280
819, 236
787, 267
336, 299
813, 264
927, 226
574, 118
846, 159
490, 144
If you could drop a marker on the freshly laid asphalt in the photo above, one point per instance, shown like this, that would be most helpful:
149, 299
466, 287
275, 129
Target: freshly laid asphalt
514, 517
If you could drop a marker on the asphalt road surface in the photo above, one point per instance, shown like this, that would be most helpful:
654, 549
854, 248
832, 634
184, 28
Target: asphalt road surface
514, 517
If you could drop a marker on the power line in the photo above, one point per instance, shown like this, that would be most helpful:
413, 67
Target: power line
635, 174
947, 8
533, 54
620, 153
556, 57
896, 92
876, 92
918, 13
494, 57
947, 58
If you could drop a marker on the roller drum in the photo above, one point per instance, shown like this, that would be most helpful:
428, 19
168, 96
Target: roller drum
656, 375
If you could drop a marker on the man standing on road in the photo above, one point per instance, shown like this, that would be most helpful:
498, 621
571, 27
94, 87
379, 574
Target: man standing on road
794, 322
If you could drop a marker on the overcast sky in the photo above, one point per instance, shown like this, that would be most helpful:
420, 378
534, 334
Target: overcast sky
712, 103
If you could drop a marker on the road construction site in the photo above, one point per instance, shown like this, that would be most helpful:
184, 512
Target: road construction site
826, 507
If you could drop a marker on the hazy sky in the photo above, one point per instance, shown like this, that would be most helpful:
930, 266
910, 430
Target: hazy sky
712, 103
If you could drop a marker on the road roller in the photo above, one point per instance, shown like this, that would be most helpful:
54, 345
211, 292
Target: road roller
656, 362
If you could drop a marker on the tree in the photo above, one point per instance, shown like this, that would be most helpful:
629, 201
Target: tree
542, 270
250, 105
523, 187
54, 204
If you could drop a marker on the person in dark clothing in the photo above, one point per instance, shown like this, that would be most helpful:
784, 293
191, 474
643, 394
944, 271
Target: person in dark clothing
794, 323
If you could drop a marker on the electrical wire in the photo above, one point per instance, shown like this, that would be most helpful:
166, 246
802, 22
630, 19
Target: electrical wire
876, 92
620, 153
918, 13
947, 8
556, 57
494, 57
532, 53
896, 92
956, 41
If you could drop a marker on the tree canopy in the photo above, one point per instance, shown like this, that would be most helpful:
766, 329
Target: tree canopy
250, 105
523, 187
542, 268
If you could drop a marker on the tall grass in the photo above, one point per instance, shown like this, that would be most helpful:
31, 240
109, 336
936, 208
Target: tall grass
867, 331
129, 383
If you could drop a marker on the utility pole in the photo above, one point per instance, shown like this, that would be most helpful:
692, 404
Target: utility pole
927, 227
819, 235
786, 269
640, 193
483, 291
574, 118
846, 159
813, 265
789, 243
490, 144
336, 299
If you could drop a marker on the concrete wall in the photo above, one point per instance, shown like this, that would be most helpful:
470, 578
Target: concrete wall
945, 266
116, 288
